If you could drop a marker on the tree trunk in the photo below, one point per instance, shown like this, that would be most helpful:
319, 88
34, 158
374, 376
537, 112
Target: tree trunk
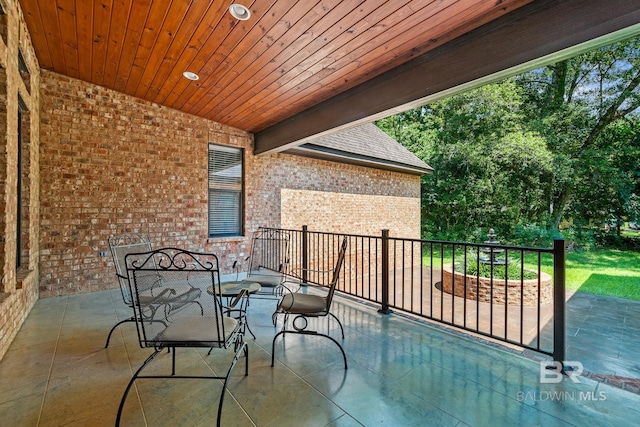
560, 205
554, 99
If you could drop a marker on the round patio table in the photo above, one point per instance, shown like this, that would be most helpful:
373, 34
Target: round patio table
233, 289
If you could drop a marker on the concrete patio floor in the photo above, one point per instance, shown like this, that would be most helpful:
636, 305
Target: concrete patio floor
604, 334
401, 373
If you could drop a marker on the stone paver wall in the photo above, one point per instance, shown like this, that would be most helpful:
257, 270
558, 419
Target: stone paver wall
512, 292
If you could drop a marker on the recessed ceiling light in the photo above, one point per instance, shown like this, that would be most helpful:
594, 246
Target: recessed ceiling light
190, 75
239, 11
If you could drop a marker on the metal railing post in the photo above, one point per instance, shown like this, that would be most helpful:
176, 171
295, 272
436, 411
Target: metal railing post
559, 300
385, 273
305, 254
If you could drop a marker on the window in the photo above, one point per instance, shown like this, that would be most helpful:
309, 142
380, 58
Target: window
23, 184
24, 71
225, 191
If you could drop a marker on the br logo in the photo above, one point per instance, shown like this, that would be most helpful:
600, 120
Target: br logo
553, 372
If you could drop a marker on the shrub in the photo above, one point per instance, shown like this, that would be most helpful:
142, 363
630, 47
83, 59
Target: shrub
612, 240
535, 235
499, 271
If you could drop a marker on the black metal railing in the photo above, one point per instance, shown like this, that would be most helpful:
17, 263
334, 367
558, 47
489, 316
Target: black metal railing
515, 295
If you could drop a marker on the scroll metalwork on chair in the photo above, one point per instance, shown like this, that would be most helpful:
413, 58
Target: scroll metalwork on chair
269, 260
123, 244
303, 306
120, 245
176, 328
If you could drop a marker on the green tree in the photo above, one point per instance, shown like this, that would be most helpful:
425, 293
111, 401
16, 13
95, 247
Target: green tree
586, 108
559, 142
489, 170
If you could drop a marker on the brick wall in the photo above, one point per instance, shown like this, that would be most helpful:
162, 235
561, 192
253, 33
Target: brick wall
351, 213
18, 286
330, 196
112, 163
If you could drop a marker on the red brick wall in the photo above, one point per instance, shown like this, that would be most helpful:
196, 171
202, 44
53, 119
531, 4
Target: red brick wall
112, 163
18, 286
352, 213
330, 196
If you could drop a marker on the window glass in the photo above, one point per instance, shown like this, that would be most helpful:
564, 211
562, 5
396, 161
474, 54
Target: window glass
225, 190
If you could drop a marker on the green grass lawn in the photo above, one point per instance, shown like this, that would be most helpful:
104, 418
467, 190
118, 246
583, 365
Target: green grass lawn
605, 272
608, 272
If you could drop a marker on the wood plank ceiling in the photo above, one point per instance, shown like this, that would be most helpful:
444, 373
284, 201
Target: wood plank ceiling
289, 56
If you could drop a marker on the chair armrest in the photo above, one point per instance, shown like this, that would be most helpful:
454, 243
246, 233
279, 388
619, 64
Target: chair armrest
242, 299
298, 276
243, 294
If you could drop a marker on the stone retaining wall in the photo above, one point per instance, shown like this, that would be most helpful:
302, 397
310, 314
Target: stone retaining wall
513, 292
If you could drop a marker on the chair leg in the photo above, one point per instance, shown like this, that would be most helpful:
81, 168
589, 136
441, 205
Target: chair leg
246, 326
173, 361
244, 348
339, 323
131, 319
344, 356
273, 347
126, 391
317, 334
246, 361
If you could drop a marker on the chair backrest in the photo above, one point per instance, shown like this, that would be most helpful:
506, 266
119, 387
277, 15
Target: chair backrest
178, 269
336, 271
121, 245
270, 250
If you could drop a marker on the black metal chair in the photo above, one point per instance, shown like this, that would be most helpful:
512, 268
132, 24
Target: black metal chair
123, 244
303, 306
120, 245
268, 261
186, 327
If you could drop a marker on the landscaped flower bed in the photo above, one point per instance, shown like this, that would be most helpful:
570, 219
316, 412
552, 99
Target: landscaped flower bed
512, 292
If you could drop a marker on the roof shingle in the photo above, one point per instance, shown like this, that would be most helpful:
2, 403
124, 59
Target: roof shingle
368, 144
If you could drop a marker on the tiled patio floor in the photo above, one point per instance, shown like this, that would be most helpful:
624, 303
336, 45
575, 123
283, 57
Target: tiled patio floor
401, 373
604, 334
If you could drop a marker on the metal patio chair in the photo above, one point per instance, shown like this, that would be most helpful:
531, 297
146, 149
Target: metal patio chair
268, 261
186, 327
303, 306
123, 244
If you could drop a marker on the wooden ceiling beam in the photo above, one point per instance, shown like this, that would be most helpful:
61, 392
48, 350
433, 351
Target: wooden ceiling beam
534, 31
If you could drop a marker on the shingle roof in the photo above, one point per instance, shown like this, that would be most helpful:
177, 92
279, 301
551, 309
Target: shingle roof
365, 144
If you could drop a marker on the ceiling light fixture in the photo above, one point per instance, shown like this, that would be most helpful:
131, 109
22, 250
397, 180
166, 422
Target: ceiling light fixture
190, 75
240, 12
